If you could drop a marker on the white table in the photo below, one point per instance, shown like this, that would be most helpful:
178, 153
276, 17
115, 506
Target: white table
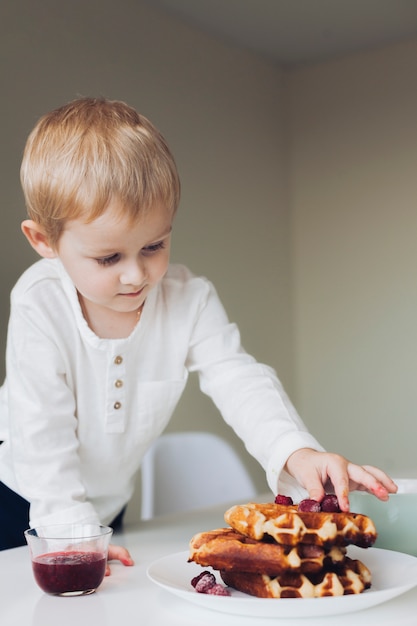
128, 597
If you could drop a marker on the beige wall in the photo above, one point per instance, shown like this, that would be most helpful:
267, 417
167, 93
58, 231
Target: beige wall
299, 200
354, 256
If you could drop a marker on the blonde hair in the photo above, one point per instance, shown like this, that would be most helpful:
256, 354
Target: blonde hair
86, 153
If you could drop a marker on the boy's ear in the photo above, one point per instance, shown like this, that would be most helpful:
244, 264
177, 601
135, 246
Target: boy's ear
38, 239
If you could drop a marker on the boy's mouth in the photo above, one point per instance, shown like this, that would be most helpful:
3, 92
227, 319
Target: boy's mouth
132, 294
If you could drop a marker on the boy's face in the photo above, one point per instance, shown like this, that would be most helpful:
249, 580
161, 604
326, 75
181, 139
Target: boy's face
114, 263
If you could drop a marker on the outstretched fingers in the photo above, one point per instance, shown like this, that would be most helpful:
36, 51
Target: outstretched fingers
371, 479
319, 472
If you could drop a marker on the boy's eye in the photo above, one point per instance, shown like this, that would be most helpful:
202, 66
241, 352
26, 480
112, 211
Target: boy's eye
114, 258
154, 247
108, 260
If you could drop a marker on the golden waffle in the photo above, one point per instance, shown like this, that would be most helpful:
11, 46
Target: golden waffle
225, 548
349, 577
289, 526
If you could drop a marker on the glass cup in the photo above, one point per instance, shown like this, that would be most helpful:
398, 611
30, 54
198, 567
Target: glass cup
395, 520
69, 559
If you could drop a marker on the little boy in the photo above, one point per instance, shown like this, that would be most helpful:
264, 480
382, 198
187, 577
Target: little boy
103, 333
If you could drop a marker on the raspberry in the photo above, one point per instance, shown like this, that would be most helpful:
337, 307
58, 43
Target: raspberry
330, 504
285, 500
309, 506
218, 590
205, 582
206, 574
195, 580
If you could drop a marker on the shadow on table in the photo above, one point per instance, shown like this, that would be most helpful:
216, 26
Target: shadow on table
53, 610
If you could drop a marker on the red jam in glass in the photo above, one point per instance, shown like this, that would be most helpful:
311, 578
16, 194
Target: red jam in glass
69, 572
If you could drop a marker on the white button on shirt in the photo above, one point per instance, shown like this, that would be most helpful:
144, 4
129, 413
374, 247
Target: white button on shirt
78, 412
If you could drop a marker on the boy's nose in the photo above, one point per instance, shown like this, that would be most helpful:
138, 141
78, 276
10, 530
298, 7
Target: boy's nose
133, 273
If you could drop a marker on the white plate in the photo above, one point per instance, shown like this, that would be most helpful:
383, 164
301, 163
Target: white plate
393, 573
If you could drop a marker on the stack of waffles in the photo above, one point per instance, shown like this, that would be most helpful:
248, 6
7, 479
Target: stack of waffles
276, 551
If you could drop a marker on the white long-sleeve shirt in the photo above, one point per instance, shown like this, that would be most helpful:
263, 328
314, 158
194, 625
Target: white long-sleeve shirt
78, 412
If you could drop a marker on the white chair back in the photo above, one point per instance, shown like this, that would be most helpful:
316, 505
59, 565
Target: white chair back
189, 470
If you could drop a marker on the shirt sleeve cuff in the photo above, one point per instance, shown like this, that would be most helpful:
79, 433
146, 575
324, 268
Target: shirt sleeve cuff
279, 481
